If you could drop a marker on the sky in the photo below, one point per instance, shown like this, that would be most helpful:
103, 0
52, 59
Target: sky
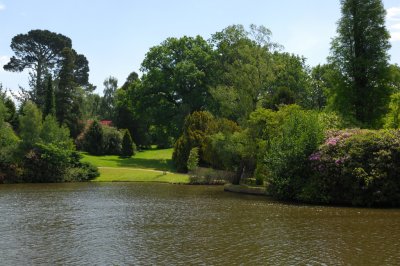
116, 35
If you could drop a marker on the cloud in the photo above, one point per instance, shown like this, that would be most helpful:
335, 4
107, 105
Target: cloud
393, 18
395, 26
2, 7
395, 36
393, 14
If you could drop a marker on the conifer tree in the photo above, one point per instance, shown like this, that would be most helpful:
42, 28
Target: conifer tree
127, 145
360, 54
50, 100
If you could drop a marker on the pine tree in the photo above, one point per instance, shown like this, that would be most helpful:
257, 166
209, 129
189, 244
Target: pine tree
94, 139
127, 145
50, 100
360, 54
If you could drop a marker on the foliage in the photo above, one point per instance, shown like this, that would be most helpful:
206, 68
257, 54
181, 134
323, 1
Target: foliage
45, 163
8, 145
359, 167
128, 146
291, 82
360, 54
392, 119
112, 141
287, 156
68, 102
50, 100
243, 71
177, 74
193, 160
194, 133
39, 51
52, 132
107, 105
94, 139
30, 126
130, 113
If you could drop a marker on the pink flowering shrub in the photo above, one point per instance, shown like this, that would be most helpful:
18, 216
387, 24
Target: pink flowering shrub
359, 167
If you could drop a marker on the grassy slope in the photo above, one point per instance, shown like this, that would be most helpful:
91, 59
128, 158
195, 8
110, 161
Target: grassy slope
145, 166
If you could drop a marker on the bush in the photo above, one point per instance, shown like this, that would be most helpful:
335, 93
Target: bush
359, 167
84, 172
193, 160
287, 156
112, 141
194, 134
45, 163
94, 139
128, 147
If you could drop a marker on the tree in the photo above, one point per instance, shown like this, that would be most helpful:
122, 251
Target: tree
50, 100
244, 70
194, 135
30, 126
360, 54
94, 139
291, 84
130, 111
68, 100
177, 75
107, 106
193, 160
40, 52
127, 145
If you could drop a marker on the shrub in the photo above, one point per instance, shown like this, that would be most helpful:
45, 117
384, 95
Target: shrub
112, 141
193, 160
392, 119
94, 139
359, 167
84, 172
45, 163
128, 147
194, 134
287, 156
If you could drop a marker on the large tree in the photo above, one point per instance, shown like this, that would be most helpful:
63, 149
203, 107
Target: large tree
360, 53
40, 52
177, 75
244, 70
107, 106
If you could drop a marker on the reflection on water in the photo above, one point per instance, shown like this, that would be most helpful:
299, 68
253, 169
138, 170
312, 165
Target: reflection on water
134, 223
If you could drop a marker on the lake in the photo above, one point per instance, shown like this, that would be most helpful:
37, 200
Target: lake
143, 224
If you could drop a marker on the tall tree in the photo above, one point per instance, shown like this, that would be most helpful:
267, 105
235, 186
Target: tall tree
107, 106
244, 71
68, 102
40, 52
50, 100
177, 75
360, 53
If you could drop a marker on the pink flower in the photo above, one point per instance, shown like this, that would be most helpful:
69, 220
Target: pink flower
332, 141
315, 157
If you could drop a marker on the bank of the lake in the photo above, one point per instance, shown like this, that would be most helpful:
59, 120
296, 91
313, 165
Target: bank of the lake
152, 165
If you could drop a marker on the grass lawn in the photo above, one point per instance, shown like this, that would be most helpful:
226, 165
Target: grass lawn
145, 166
136, 175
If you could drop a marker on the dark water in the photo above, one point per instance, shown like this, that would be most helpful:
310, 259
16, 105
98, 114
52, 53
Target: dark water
147, 224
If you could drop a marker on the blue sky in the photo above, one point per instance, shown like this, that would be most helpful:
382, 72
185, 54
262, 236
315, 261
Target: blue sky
115, 35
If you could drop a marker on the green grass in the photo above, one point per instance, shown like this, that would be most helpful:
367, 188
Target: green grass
149, 159
136, 175
145, 166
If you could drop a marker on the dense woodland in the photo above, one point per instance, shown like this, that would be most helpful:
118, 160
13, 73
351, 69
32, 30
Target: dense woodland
232, 101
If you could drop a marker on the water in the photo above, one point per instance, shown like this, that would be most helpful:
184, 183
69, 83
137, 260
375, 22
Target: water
147, 224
